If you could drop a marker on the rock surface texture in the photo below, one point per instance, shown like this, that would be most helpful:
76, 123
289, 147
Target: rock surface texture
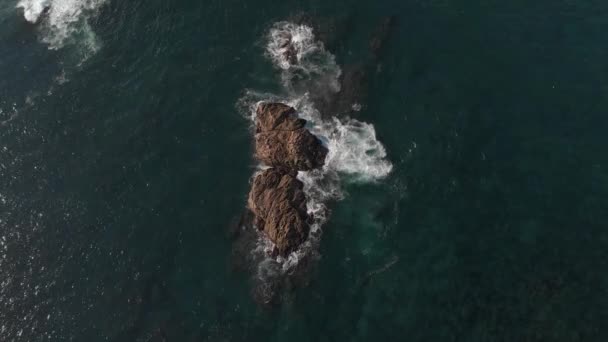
281, 139
279, 206
277, 199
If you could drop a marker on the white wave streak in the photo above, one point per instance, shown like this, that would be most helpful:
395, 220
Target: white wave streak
63, 21
355, 155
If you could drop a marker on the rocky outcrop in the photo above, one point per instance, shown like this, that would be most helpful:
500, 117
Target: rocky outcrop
297, 150
277, 199
277, 116
279, 206
282, 140
276, 204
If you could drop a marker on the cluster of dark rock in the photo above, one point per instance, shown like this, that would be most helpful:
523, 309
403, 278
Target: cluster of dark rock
277, 199
276, 204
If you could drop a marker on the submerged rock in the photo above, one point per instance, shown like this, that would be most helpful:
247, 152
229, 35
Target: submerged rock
353, 91
283, 141
380, 36
290, 53
278, 202
355, 78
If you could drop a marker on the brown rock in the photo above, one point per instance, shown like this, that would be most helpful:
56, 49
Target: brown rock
279, 205
297, 150
276, 199
277, 116
283, 141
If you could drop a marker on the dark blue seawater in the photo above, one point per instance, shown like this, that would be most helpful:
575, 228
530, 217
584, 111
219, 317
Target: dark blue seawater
124, 160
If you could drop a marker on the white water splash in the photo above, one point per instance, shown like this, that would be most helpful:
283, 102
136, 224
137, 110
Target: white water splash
32, 10
355, 156
302, 59
353, 147
63, 22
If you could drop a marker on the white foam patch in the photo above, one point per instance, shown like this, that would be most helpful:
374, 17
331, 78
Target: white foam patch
63, 22
353, 147
302, 59
355, 154
285, 36
32, 9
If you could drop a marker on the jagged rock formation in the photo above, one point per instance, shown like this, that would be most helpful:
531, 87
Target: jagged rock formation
277, 117
279, 205
282, 141
277, 199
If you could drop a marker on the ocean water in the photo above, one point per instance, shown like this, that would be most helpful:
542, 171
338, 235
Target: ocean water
465, 199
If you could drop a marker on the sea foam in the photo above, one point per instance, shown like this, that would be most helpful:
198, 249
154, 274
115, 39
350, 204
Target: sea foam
63, 22
313, 65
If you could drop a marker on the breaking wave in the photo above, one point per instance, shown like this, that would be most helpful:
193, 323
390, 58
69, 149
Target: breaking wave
355, 154
63, 22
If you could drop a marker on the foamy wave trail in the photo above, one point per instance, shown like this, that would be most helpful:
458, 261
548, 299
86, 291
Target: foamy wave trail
303, 60
355, 156
354, 150
63, 22
353, 147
